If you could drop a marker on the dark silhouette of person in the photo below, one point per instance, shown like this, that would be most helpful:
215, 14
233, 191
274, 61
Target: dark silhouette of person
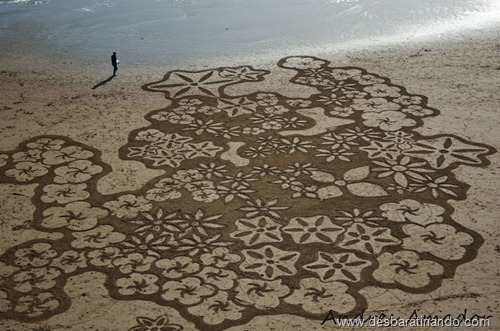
114, 63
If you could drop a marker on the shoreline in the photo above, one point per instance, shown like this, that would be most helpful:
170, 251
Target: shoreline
31, 80
182, 33
460, 76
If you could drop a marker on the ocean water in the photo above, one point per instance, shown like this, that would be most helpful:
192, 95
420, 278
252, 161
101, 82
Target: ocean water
183, 31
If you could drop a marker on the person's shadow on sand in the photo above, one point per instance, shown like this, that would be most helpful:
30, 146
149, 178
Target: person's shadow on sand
104, 82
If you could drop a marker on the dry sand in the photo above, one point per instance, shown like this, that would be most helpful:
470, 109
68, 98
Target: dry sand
459, 75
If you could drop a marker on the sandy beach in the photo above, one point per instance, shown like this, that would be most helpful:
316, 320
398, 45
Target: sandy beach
72, 100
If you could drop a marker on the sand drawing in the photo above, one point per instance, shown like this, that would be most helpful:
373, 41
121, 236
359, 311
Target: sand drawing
268, 205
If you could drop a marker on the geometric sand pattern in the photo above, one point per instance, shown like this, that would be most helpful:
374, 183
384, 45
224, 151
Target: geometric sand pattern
269, 204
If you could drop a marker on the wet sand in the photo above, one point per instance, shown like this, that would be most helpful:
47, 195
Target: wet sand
459, 75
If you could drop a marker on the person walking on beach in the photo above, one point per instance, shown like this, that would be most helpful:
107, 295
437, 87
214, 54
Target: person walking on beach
114, 63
